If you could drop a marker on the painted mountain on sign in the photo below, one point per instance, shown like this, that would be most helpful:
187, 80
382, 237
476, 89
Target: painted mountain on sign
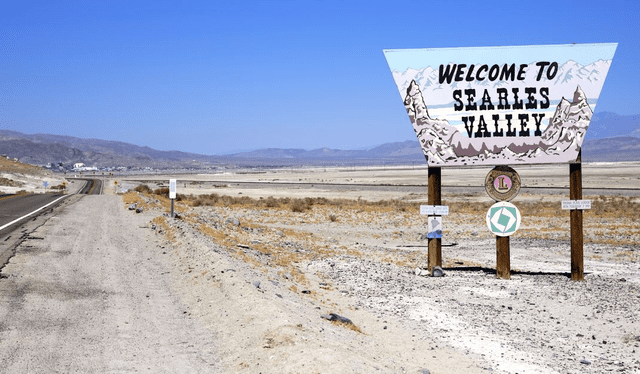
444, 144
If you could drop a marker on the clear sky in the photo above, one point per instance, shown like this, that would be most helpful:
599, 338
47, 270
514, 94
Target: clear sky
212, 77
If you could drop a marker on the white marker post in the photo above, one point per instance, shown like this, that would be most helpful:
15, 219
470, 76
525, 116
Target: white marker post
172, 193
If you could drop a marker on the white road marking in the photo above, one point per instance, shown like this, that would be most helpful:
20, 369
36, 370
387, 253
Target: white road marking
27, 215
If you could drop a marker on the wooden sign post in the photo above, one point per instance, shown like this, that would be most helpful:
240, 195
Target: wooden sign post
434, 198
503, 259
575, 193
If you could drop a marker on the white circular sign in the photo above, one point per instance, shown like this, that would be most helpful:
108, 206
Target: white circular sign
503, 218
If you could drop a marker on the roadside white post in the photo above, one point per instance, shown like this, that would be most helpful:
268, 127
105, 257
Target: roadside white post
172, 193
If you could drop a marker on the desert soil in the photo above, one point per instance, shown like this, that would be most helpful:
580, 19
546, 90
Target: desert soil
16, 177
87, 291
366, 263
249, 285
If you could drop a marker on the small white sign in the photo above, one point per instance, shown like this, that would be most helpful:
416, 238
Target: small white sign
172, 188
434, 228
434, 210
576, 204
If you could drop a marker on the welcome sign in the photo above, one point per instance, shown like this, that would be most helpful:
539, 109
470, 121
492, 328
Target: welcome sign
501, 105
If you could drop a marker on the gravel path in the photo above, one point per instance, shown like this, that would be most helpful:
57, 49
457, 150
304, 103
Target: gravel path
89, 292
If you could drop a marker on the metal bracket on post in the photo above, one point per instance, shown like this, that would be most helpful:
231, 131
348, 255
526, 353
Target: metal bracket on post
575, 193
434, 198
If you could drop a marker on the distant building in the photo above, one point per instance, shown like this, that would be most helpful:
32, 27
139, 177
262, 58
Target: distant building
78, 165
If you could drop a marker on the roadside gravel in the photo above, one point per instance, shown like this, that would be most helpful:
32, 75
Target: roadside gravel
364, 269
88, 292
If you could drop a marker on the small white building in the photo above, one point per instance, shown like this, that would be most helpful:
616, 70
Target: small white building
78, 165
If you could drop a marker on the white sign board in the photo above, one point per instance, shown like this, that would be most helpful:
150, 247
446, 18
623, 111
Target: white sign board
434, 228
172, 188
434, 210
501, 105
576, 204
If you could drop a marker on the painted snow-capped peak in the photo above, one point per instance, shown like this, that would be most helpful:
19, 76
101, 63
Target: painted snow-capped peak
575, 111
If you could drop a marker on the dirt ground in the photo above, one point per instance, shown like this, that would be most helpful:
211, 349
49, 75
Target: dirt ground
16, 177
304, 277
262, 267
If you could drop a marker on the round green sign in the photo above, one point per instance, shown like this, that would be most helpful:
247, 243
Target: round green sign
503, 219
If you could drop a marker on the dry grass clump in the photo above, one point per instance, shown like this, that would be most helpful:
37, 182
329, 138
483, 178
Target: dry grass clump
615, 206
297, 205
143, 188
611, 220
347, 325
132, 198
263, 248
163, 227
7, 165
604, 206
162, 191
10, 182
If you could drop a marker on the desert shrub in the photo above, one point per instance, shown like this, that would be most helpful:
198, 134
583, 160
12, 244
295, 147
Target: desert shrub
143, 188
271, 202
61, 186
332, 217
163, 191
10, 183
299, 205
616, 206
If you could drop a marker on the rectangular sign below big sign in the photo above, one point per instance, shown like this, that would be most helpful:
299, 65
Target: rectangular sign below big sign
434, 228
576, 204
434, 210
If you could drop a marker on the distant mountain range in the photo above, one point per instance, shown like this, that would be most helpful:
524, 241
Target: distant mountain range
610, 137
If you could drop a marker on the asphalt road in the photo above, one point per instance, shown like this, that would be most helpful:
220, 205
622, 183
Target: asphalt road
20, 213
13, 207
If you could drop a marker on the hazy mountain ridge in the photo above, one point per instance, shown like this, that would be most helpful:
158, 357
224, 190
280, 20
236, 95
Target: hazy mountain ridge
609, 125
106, 147
611, 137
623, 148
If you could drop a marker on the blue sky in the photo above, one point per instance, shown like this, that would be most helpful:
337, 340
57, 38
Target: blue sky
213, 77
